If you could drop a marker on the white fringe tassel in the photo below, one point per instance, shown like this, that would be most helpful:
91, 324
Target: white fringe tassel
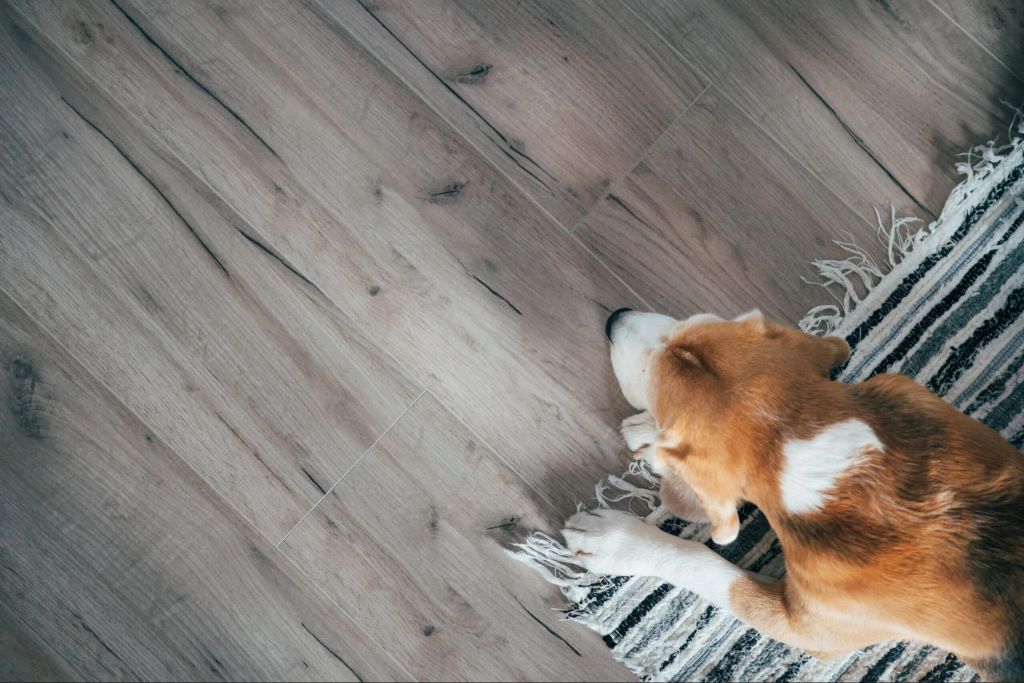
558, 565
849, 281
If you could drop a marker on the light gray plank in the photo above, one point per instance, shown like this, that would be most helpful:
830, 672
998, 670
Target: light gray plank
411, 542
113, 548
561, 96
241, 364
719, 218
474, 289
876, 98
26, 657
998, 25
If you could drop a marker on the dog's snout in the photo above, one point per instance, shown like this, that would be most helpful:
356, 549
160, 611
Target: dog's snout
610, 324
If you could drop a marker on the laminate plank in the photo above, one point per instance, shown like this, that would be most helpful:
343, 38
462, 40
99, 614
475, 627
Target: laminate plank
719, 218
212, 337
997, 24
876, 99
114, 548
430, 252
563, 97
25, 656
411, 542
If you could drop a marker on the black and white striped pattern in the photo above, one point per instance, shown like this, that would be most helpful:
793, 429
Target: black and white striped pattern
948, 314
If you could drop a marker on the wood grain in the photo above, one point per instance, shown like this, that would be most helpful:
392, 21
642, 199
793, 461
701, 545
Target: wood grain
411, 543
997, 25
563, 97
115, 551
238, 239
26, 657
427, 249
876, 99
233, 357
719, 218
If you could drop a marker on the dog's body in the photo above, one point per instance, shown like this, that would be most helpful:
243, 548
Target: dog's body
899, 516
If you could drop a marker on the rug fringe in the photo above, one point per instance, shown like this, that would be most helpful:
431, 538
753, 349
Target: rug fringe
557, 564
850, 280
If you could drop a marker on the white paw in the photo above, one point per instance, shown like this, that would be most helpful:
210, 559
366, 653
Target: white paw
641, 435
617, 543
639, 430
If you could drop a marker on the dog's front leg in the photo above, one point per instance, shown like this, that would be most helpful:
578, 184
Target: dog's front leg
613, 542
617, 543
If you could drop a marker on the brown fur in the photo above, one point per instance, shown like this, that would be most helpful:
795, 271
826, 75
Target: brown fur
921, 541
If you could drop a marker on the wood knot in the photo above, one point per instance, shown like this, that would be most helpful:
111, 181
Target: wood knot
82, 34
446, 195
473, 76
507, 525
28, 409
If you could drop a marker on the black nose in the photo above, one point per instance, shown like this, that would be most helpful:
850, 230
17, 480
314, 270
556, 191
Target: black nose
611, 321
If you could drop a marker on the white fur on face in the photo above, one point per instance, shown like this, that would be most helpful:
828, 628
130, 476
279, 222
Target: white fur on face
635, 340
812, 465
617, 543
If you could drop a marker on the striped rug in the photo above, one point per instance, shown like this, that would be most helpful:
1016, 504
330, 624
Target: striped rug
948, 313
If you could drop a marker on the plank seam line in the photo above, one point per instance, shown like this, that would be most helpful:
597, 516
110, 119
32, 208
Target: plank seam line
980, 44
863, 217
215, 489
643, 155
350, 468
221, 498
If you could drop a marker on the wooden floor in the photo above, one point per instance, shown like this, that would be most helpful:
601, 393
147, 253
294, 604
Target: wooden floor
301, 304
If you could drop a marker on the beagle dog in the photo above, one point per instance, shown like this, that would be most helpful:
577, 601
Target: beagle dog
900, 518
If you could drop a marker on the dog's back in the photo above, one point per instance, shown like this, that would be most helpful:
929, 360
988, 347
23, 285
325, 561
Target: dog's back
936, 520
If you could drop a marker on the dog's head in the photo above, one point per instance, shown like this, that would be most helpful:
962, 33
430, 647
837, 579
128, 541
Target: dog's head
717, 390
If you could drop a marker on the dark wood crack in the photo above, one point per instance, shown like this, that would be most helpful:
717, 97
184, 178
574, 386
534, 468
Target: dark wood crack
548, 628
102, 642
615, 200
513, 145
496, 293
332, 652
153, 185
510, 523
859, 142
177, 65
272, 253
314, 482
254, 452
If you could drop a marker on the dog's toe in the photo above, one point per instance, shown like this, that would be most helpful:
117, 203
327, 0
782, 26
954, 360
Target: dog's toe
639, 431
611, 542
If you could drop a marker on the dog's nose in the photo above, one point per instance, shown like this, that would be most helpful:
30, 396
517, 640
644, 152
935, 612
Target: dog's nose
610, 324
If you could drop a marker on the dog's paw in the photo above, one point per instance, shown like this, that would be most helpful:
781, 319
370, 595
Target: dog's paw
641, 435
614, 542
639, 431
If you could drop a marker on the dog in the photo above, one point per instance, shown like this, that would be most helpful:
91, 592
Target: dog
899, 517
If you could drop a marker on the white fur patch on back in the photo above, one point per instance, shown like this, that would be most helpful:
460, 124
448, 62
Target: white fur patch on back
812, 465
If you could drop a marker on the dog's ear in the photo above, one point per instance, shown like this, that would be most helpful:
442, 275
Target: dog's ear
827, 352
753, 318
688, 357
